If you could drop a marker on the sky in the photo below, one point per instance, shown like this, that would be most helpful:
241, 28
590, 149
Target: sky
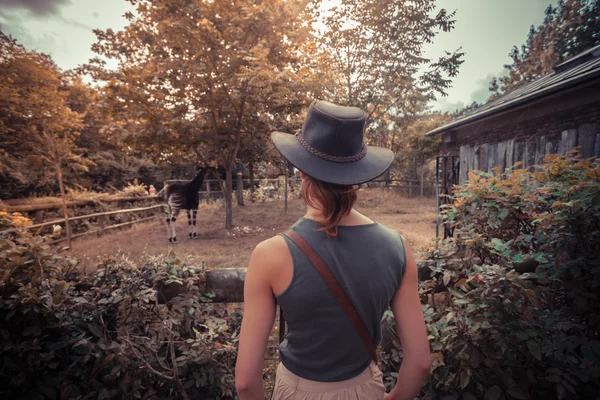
485, 29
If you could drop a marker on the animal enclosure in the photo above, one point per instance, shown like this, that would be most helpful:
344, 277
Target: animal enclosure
222, 248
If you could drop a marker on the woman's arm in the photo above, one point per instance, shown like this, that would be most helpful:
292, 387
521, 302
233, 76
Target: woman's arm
259, 316
412, 332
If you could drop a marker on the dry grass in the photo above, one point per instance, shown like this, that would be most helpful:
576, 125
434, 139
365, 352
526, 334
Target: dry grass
220, 248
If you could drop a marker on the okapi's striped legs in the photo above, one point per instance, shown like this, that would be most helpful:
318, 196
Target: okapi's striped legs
191, 214
168, 221
172, 213
194, 212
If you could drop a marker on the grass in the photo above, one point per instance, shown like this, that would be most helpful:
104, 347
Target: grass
220, 248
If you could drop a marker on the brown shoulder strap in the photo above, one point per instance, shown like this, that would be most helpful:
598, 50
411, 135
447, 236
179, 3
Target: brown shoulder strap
336, 289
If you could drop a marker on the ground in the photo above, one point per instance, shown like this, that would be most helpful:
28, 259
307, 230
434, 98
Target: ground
220, 248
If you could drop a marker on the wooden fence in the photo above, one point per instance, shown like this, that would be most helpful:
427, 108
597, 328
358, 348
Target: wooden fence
76, 203
101, 218
409, 187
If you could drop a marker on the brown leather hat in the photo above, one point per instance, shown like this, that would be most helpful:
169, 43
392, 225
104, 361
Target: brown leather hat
330, 147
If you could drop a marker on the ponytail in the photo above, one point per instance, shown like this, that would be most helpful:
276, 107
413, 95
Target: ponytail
335, 201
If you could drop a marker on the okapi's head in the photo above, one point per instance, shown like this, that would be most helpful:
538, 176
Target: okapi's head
203, 172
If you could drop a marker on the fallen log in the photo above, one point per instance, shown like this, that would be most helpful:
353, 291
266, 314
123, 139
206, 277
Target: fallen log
227, 284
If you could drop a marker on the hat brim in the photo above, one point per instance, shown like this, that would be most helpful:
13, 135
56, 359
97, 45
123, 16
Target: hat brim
373, 164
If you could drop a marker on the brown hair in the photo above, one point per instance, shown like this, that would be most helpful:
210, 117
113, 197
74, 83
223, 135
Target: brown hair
335, 201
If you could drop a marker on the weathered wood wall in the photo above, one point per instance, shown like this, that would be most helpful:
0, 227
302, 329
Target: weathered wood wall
487, 156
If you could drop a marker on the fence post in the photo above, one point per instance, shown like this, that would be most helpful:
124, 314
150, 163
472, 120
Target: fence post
207, 191
101, 222
240, 190
251, 172
39, 216
68, 232
286, 188
422, 179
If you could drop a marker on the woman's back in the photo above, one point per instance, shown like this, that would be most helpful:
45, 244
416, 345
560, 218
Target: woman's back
368, 262
325, 355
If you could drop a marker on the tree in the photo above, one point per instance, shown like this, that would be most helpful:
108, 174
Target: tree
568, 29
377, 50
417, 149
194, 77
30, 97
58, 150
37, 126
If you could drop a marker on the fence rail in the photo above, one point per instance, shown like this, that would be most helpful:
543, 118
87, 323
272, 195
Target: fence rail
76, 203
101, 218
407, 185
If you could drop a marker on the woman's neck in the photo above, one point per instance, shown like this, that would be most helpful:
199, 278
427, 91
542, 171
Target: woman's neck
353, 218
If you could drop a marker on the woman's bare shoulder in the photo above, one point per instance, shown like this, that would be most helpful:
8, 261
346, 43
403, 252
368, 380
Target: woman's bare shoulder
272, 251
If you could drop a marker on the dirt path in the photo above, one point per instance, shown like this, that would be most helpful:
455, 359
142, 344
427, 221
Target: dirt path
220, 248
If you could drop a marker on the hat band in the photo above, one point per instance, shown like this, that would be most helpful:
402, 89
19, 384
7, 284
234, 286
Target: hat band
327, 157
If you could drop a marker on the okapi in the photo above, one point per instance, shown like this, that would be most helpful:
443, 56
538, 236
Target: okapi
184, 196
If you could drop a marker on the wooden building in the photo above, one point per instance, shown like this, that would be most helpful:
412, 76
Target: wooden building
552, 114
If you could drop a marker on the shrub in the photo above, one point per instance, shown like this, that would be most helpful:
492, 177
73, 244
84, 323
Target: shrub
133, 189
520, 318
264, 193
123, 332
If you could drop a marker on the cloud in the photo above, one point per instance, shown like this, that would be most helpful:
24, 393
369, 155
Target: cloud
482, 93
47, 43
74, 23
38, 8
444, 105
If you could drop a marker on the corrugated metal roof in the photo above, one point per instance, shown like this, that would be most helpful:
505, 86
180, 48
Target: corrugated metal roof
575, 71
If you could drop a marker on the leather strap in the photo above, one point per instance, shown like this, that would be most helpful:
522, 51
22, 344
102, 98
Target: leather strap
336, 289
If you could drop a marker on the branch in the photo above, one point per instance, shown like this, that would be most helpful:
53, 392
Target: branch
147, 364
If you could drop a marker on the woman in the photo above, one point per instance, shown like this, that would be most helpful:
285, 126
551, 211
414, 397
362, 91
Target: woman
324, 355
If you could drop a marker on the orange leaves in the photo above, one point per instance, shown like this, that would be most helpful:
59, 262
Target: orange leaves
473, 177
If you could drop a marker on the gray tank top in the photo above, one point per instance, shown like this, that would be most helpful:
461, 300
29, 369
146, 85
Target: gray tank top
368, 261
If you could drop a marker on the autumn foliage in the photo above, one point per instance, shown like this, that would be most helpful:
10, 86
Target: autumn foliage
125, 331
520, 317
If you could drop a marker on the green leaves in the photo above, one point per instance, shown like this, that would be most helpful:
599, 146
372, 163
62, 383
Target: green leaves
103, 334
534, 349
510, 329
493, 393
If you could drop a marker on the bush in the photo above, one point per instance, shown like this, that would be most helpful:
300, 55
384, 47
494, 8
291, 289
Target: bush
520, 314
123, 332
133, 190
264, 193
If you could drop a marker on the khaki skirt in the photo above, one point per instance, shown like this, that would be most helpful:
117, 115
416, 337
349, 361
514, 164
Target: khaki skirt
366, 386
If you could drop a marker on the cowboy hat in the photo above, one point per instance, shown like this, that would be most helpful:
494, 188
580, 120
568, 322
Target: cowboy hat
330, 147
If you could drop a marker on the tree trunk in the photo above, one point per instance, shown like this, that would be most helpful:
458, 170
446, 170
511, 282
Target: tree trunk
227, 193
64, 203
251, 172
